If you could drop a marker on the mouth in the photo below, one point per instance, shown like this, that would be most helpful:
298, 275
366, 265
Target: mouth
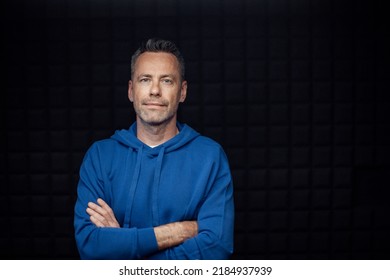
154, 105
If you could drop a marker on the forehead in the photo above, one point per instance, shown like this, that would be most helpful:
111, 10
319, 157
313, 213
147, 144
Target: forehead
157, 62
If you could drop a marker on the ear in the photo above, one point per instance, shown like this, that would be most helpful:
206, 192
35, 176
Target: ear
183, 91
130, 91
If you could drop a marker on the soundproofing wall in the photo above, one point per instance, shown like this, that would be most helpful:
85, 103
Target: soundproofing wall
296, 92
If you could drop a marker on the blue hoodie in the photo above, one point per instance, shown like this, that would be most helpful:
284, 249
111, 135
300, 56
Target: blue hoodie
185, 178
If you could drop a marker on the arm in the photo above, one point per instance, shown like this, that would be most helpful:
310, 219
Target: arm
215, 218
97, 232
167, 236
173, 234
105, 242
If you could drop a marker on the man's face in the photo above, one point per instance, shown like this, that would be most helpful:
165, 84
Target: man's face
156, 88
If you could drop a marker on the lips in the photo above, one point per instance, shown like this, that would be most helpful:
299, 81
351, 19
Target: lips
154, 104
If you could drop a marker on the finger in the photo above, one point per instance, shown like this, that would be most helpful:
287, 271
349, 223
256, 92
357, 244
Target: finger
92, 212
96, 216
106, 207
102, 211
96, 221
101, 202
95, 207
112, 221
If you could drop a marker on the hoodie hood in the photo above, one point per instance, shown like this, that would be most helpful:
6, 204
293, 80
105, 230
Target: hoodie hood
129, 139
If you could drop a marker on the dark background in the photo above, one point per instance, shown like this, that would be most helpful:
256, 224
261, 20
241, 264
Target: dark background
296, 91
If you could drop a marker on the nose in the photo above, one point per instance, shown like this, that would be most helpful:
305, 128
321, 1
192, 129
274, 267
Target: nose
155, 90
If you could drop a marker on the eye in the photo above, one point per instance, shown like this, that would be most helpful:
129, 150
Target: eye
167, 81
144, 80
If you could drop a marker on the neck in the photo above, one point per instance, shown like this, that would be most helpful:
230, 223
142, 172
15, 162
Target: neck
154, 135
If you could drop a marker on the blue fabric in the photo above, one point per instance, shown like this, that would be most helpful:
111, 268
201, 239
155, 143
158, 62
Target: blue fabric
186, 178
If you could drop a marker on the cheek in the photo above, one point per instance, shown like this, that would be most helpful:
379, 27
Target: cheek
174, 100
138, 94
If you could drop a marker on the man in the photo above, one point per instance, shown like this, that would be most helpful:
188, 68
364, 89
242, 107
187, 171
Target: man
158, 190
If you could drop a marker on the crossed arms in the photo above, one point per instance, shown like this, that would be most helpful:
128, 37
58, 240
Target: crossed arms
102, 233
167, 236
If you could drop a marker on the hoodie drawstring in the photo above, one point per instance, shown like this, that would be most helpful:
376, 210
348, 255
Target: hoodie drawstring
133, 186
156, 184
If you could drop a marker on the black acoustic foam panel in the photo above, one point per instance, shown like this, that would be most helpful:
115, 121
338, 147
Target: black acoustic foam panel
297, 93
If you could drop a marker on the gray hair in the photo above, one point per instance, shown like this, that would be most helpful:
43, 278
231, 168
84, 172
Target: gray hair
159, 45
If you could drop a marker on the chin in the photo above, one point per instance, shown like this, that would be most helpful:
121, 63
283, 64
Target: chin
157, 121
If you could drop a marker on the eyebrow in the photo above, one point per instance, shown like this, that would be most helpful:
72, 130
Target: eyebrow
161, 76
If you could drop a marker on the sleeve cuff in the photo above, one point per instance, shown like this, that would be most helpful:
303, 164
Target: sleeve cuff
147, 242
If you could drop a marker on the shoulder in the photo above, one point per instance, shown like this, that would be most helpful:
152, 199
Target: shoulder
106, 154
207, 142
103, 144
104, 147
207, 147
209, 154
200, 140
195, 140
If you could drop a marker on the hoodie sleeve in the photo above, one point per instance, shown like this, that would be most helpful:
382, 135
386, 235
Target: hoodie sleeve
105, 243
215, 221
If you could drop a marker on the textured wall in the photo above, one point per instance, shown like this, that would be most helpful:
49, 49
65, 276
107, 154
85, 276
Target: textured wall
297, 92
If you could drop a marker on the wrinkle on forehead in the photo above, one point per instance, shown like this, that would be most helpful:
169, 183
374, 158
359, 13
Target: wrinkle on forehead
157, 64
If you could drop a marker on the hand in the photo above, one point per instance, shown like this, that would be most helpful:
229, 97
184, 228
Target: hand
102, 215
